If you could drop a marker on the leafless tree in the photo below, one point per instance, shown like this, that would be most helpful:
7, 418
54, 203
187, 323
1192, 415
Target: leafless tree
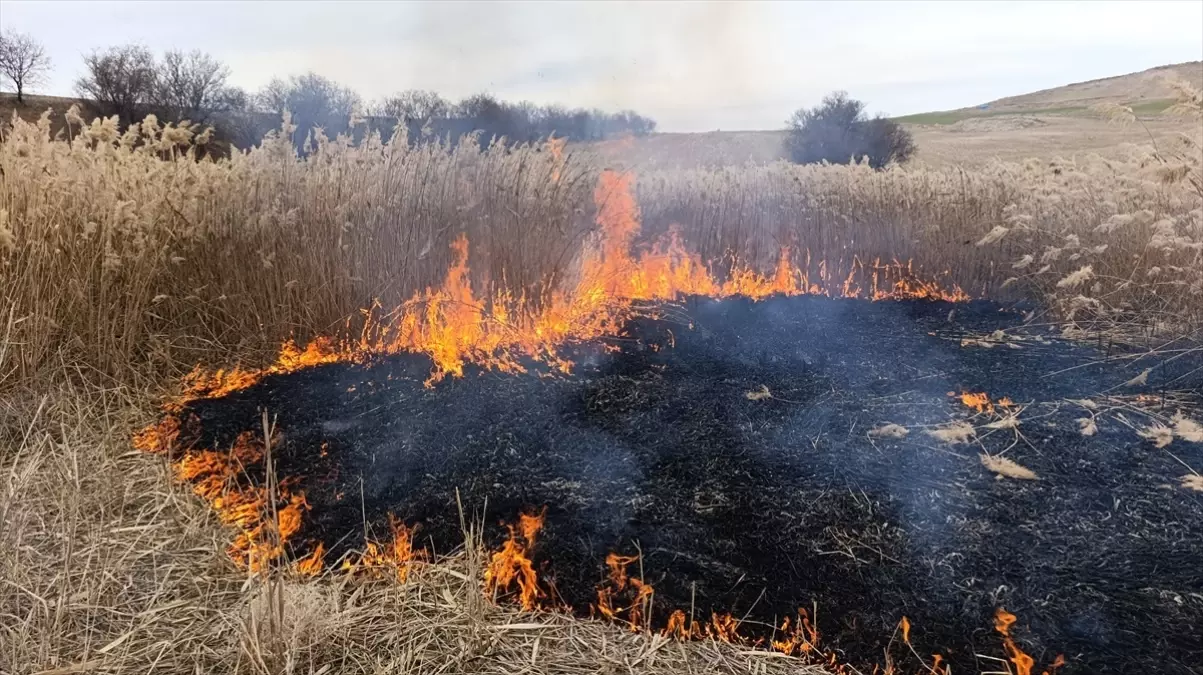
23, 61
120, 80
190, 85
415, 104
313, 101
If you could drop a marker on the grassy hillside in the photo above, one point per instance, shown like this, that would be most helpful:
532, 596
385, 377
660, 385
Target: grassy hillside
1147, 92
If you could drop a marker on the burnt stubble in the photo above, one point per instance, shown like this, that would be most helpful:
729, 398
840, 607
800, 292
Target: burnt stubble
760, 504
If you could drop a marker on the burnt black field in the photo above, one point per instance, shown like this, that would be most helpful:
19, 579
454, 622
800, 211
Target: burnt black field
757, 506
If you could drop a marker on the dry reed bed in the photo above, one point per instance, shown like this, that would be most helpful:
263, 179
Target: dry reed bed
1009, 230
124, 261
120, 253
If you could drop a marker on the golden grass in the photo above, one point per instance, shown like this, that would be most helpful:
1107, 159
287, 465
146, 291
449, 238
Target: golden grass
123, 261
122, 255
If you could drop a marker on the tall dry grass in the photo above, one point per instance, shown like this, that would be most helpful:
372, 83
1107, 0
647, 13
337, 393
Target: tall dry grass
121, 254
1007, 231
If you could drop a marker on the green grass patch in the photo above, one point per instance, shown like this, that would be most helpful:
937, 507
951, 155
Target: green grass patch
1155, 107
939, 117
952, 116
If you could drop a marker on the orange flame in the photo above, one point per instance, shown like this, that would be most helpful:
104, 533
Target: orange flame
216, 477
511, 567
455, 326
1023, 662
979, 401
639, 608
398, 554
159, 438
799, 637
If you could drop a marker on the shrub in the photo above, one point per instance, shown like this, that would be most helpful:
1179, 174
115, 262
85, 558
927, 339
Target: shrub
837, 131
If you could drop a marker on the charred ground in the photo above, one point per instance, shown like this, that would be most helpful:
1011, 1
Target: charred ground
757, 505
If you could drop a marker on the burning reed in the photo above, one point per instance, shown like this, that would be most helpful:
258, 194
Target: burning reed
122, 254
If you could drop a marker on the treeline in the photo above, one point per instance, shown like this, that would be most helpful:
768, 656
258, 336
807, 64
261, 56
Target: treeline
130, 81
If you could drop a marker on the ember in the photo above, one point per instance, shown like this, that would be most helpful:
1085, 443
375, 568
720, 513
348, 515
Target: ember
667, 498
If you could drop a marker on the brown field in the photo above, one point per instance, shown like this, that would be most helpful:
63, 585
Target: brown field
971, 142
124, 262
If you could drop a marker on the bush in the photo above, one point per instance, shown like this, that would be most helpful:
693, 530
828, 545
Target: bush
838, 131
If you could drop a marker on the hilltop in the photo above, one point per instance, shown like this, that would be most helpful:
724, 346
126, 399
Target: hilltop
1147, 92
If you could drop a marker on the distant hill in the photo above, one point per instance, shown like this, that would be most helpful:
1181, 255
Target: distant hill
1147, 92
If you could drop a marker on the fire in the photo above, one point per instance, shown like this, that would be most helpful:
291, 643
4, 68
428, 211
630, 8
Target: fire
639, 608
398, 554
312, 564
624, 599
799, 637
511, 569
159, 438
457, 325
979, 401
795, 637
265, 525
1023, 662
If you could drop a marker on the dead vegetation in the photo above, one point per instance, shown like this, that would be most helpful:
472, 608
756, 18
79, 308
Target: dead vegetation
108, 567
124, 261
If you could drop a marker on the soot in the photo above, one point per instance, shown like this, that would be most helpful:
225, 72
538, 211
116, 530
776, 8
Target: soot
758, 505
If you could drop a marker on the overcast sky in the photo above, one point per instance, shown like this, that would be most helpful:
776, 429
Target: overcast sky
691, 66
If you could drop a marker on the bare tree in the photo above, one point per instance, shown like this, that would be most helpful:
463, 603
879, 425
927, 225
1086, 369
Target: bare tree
415, 104
120, 80
232, 99
190, 85
313, 100
23, 61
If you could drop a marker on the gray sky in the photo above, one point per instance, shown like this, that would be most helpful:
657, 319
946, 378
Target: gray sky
692, 66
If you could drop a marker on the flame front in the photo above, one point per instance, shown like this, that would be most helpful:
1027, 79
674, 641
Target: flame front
265, 525
456, 326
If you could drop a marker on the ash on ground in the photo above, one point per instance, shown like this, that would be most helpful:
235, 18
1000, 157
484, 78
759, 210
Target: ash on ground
742, 449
